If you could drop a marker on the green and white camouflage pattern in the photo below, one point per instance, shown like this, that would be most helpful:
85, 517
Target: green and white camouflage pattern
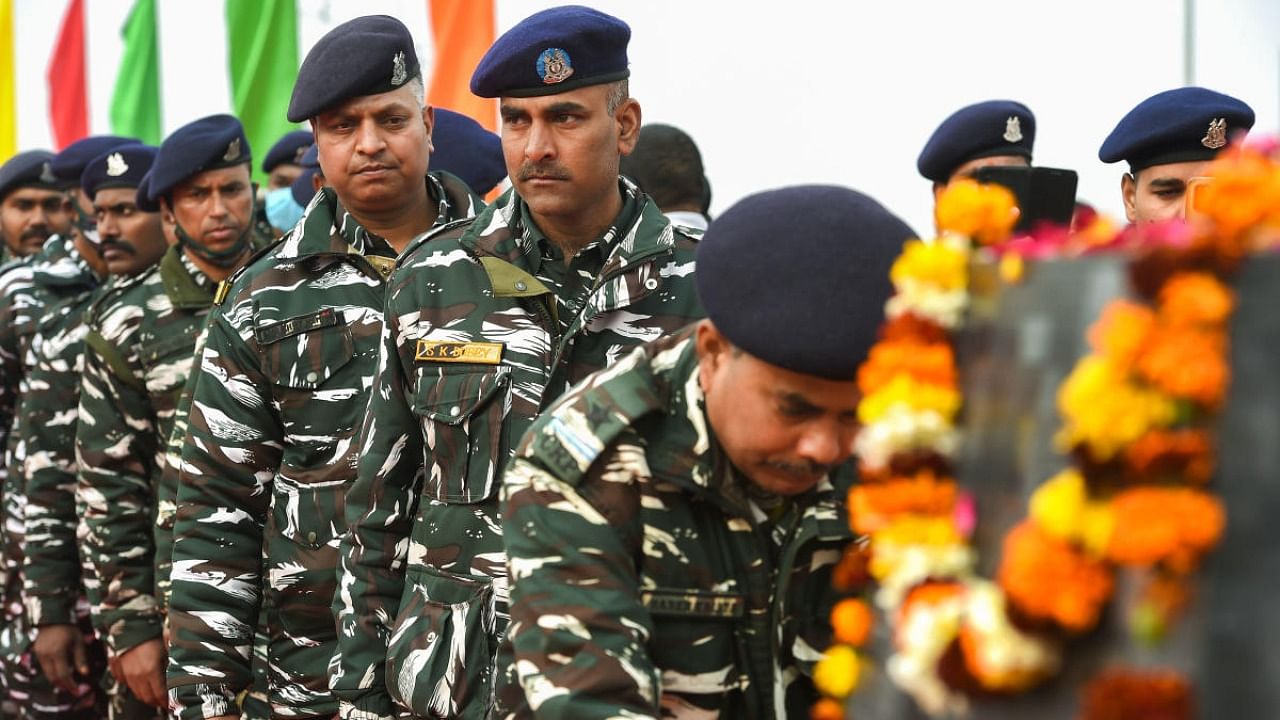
138, 355
648, 581
271, 448
42, 295
422, 596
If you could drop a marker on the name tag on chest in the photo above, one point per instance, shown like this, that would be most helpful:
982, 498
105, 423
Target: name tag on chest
679, 603
482, 353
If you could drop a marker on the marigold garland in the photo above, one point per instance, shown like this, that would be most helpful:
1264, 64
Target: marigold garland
1136, 415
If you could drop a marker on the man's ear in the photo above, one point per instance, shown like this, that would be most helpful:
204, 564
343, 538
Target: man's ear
628, 118
713, 350
1129, 191
429, 120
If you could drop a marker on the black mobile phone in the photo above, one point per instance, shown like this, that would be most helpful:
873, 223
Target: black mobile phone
1043, 194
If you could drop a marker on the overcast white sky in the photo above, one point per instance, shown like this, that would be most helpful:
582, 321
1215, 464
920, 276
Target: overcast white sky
778, 93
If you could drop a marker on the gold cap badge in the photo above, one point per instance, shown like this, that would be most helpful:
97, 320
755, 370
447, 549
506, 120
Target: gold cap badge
1216, 137
398, 72
233, 150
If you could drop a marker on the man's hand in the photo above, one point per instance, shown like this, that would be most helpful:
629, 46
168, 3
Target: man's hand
61, 652
141, 667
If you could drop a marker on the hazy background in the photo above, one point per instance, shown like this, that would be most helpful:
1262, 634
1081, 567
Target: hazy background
780, 93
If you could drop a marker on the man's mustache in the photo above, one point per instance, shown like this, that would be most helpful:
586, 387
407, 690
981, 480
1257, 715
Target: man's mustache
529, 171
113, 243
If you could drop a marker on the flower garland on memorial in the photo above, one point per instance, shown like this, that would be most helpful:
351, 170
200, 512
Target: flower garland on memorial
1136, 417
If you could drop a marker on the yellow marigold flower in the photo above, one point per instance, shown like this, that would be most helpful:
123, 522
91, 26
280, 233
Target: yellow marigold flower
937, 263
1097, 526
1061, 507
985, 213
905, 390
836, 674
1103, 411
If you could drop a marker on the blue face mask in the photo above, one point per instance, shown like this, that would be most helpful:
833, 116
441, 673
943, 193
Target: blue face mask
283, 212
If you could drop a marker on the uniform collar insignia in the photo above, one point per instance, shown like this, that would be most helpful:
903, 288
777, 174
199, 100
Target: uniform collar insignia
398, 72
1216, 137
1013, 129
554, 66
116, 166
233, 150
47, 176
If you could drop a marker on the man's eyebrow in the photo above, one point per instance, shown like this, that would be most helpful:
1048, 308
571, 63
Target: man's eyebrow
1166, 183
564, 107
796, 401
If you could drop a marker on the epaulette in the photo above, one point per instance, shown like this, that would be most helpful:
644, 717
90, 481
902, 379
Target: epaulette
433, 234
224, 287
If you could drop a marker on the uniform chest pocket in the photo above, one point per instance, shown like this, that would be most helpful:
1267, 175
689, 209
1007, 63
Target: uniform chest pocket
696, 640
167, 363
462, 412
304, 352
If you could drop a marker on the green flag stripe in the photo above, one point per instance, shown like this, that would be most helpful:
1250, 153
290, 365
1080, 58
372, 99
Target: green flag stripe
135, 100
262, 51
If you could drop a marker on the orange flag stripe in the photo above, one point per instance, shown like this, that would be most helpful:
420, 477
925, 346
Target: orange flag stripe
463, 31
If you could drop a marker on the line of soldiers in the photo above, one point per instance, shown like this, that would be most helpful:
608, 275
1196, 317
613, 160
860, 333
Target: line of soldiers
423, 456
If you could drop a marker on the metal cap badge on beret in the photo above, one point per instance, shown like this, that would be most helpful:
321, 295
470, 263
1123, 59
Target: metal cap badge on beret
69, 164
554, 51
28, 169
122, 167
799, 277
1182, 125
985, 129
365, 56
464, 148
210, 143
288, 149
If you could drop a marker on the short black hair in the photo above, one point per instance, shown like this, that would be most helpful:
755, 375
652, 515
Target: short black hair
667, 166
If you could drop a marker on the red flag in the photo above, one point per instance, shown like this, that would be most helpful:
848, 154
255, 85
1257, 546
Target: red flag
463, 31
68, 84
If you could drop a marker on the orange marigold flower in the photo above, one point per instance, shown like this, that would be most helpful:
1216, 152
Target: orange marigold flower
1170, 525
1189, 364
910, 327
1122, 694
827, 709
932, 363
985, 213
1245, 193
852, 572
851, 621
1122, 332
1047, 579
1186, 454
873, 505
1195, 298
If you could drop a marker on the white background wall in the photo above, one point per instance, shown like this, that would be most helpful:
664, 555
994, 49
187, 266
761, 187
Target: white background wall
779, 93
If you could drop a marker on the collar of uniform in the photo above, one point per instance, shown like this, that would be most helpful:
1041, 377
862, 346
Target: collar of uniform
59, 264
618, 245
185, 284
327, 227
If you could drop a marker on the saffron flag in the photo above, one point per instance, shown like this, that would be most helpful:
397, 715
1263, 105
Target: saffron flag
262, 50
135, 101
68, 96
463, 30
8, 108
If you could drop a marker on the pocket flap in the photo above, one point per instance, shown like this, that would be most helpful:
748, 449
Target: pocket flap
310, 353
450, 397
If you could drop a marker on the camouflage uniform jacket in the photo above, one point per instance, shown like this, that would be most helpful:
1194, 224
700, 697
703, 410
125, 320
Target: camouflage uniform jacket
485, 327
54, 276
138, 353
647, 581
54, 577
271, 450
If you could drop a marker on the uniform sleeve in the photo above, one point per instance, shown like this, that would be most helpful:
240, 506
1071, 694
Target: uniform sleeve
578, 627
115, 451
229, 457
52, 577
380, 508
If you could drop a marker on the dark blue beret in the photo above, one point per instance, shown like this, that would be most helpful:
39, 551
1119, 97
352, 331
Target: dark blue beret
554, 51
301, 188
143, 199
799, 277
69, 164
311, 158
985, 129
122, 167
210, 143
28, 169
464, 148
365, 56
1181, 125
288, 149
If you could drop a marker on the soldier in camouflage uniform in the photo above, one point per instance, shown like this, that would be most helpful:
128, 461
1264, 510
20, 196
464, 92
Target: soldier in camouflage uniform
130, 241
284, 382
672, 523
138, 355
487, 322
64, 271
